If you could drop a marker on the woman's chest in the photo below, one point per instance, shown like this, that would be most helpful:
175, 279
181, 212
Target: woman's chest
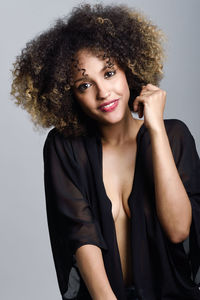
118, 176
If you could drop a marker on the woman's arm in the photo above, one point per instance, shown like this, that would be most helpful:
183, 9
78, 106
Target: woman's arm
172, 202
77, 228
91, 266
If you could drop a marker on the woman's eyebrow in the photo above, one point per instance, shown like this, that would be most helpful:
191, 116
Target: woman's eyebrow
86, 76
80, 79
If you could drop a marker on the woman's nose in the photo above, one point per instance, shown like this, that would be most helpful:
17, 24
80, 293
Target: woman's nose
102, 92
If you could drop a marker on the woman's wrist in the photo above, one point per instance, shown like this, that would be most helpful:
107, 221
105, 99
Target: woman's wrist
157, 131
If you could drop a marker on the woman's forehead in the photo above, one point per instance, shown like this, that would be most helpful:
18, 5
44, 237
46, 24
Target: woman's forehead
92, 60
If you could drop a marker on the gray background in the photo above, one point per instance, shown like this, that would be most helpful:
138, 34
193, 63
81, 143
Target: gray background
26, 263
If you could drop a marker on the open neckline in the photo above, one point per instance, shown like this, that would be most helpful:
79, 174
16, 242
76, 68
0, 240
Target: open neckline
101, 167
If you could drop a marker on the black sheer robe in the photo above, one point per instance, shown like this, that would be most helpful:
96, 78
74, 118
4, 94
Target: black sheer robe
79, 212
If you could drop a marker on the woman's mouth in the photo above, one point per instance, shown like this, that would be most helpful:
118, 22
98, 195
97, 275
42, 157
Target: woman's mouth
109, 107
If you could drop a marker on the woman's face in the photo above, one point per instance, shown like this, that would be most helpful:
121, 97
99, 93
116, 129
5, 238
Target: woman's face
98, 84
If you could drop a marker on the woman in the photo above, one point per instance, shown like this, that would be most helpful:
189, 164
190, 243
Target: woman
122, 194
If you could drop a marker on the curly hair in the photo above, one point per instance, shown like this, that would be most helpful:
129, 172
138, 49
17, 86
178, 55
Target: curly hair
42, 73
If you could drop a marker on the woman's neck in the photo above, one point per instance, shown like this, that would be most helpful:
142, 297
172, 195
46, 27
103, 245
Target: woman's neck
120, 133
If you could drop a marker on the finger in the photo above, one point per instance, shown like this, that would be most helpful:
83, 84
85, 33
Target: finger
150, 87
145, 93
140, 110
140, 99
137, 102
135, 106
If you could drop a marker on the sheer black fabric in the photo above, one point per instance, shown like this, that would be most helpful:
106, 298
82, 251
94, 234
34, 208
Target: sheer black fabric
79, 212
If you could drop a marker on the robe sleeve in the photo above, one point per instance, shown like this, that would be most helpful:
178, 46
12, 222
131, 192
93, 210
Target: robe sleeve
188, 165
63, 188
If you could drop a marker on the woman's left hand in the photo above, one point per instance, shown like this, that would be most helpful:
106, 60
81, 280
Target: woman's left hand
150, 104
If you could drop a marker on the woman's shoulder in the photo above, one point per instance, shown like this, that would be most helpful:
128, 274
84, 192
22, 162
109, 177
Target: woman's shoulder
175, 123
181, 139
177, 128
53, 134
53, 139
57, 142
56, 136
171, 125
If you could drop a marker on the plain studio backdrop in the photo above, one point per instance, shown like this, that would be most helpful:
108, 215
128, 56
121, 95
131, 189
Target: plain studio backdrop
27, 268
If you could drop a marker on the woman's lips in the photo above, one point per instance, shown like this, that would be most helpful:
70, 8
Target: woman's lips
109, 107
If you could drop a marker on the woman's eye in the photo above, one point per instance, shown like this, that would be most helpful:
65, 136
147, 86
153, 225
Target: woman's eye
110, 73
83, 87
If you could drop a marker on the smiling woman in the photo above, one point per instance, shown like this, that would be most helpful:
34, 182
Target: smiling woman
122, 194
